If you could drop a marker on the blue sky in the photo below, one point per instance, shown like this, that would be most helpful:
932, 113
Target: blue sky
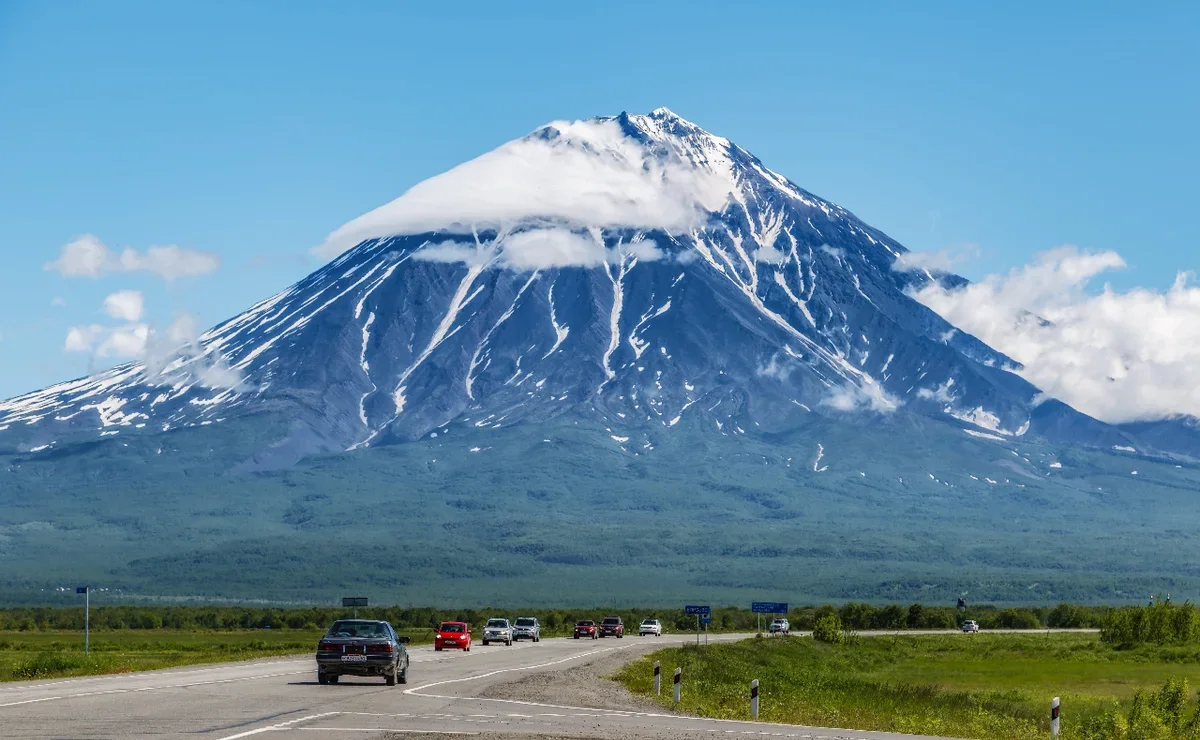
253, 130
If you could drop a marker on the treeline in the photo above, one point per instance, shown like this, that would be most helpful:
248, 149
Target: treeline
852, 616
1163, 623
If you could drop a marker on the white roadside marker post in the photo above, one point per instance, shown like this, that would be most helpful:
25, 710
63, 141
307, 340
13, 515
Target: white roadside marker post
754, 698
678, 674
657, 678
1054, 716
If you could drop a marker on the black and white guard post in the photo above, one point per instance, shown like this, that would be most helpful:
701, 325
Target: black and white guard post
754, 698
1054, 716
678, 675
657, 678
87, 617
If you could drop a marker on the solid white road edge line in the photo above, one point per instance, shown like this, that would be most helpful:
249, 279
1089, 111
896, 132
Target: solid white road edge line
279, 726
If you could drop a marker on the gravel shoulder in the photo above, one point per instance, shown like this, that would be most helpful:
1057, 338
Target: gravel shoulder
584, 684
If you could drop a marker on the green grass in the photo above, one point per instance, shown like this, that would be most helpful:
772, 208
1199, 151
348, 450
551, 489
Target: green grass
978, 686
36, 655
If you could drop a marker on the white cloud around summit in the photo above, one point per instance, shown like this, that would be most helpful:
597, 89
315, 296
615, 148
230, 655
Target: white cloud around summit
539, 249
582, 174
1118, 356
89, 257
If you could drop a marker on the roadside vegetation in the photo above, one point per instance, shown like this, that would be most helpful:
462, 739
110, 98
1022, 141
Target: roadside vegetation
979, 686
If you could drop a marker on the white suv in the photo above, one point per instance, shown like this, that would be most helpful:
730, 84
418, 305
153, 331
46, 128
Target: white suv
650, 627
497, 630
527, 628
779, 627
970, 626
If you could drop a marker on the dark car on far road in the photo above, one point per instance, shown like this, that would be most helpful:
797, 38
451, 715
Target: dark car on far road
612, 627
362, 647
585, 628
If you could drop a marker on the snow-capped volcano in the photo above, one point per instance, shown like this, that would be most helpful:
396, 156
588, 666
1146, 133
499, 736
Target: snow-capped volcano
636, 271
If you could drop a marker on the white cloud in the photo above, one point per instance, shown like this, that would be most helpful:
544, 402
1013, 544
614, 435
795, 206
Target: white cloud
578, 174
769, 254
868, 397
836, 252
87, 256
944, 260
124, 342
58, 302
540, 249
125, 305
1116, 356
83, 338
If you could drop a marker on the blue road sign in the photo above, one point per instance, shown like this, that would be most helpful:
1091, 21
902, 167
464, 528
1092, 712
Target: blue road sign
768, 607
702, 611
81, 590
705, 619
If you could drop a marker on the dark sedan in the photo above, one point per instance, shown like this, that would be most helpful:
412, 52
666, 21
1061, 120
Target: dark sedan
362, 647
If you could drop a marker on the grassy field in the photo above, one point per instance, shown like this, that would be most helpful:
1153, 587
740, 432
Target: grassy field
972, 686
33, 655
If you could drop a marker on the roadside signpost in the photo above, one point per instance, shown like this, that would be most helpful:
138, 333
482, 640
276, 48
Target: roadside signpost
702, 612
754, 699
657, 678
1054, 716
87, 617
353, 602
767, 607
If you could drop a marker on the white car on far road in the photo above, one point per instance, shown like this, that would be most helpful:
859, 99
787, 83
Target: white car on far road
650, 627
779, 627
970, 626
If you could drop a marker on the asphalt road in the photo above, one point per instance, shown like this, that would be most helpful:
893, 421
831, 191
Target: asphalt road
281, 697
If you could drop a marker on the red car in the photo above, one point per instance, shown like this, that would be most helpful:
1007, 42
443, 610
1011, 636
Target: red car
454, 635
612, 626
586, 628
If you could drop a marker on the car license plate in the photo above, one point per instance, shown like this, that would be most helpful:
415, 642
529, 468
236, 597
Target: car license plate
354, 658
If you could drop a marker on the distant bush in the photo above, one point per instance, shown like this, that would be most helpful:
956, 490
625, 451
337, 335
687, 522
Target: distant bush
829, 629
1160, 624
1068, 616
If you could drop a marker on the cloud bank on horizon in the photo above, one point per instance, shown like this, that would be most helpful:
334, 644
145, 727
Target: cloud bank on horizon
1119, 357
579, 175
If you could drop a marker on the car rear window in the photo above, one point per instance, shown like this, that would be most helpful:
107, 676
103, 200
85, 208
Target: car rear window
349, 628
451, 628
526, 622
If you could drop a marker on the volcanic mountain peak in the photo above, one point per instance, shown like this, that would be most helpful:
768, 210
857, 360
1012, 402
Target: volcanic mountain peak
633, 270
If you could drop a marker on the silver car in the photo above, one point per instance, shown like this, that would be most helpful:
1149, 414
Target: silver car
527, 628
498, 630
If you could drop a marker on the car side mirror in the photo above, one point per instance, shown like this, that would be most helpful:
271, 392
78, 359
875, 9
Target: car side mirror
404, 639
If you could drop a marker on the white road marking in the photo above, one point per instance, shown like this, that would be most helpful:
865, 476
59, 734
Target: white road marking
279, 726
141, 689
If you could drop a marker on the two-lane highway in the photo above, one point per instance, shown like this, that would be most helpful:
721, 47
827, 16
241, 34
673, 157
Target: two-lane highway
282, 696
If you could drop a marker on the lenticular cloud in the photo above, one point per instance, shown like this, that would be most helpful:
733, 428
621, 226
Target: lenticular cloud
1117, 356
576, 174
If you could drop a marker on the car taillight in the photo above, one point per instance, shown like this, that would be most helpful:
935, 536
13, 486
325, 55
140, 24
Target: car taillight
387, 648
327, 647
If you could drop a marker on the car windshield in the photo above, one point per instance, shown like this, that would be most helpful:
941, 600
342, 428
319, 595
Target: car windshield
353, 628
501, 623
526, 622
612, 620
450, 628
650, 621
584, 624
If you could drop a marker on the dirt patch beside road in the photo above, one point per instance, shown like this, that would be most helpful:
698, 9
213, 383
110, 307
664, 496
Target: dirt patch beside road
584, 684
